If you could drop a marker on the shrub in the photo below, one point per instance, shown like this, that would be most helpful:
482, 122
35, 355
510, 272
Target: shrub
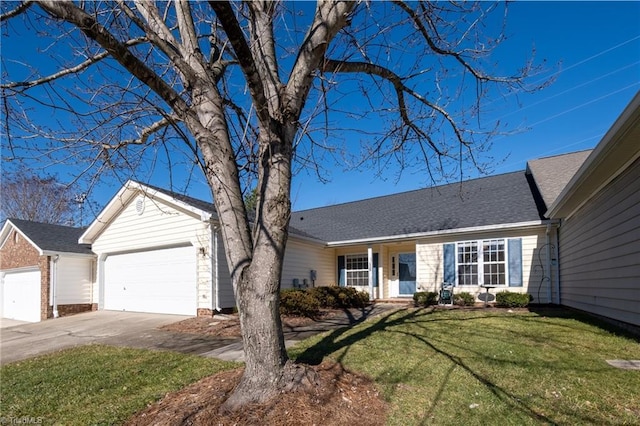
298, 303
339, 297
464, 299
508, 299
425, 298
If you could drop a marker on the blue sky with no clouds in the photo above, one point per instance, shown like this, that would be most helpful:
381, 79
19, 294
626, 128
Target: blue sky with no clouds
591, 48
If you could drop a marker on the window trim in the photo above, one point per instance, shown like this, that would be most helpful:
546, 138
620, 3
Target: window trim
480, 262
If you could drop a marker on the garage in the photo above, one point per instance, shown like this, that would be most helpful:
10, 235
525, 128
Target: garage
21, 295
156, 281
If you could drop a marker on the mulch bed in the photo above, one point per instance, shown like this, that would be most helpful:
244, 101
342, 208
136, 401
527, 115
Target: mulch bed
341, 398
229, 325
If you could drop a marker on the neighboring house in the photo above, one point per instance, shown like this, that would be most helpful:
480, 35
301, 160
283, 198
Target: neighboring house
44, 272
599, 213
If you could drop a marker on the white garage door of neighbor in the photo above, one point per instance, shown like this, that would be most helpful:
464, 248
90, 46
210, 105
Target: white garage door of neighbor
21, 296
158, 281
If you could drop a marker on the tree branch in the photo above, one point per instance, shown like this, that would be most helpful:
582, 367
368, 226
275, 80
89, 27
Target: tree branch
17, 11
67, 71
119, 51
244, 56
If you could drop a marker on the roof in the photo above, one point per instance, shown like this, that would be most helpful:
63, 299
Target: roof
617, 150
551, 174
490, 201
50, 238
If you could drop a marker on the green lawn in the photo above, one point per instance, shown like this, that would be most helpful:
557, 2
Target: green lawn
490, 368
459, 367
95, 384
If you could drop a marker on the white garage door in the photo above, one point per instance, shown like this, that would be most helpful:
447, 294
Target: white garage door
21, 295
160, 281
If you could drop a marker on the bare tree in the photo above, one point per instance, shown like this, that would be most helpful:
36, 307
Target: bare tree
255, 90
44, 199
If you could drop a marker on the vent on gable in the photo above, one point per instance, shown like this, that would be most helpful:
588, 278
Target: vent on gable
140, 205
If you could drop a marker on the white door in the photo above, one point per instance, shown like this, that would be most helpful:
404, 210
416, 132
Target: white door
21, 295
159, 281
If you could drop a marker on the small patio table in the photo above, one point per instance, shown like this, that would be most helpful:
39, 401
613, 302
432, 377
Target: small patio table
486, 294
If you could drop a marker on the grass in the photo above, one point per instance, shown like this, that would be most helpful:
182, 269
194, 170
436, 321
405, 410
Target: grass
95, 384
442, 367
490, 367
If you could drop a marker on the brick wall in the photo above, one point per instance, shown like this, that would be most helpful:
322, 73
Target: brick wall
17, 252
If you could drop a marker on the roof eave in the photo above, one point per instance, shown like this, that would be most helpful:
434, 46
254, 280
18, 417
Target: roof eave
444, 232
4, 234
603, 158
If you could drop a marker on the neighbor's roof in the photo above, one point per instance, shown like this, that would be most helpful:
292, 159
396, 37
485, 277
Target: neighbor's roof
552, 174
50, 238
490, 201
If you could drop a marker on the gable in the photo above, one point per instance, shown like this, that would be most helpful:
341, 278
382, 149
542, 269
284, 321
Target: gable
16, 250
148, 222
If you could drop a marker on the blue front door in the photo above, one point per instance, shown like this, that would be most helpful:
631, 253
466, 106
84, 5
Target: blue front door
407, 273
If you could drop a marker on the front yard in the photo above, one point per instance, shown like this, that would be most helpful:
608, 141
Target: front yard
431, 367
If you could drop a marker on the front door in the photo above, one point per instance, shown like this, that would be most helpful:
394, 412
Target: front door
406, 274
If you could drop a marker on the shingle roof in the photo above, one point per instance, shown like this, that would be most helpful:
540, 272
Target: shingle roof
494, 200
552, 174
200, 204
54, 238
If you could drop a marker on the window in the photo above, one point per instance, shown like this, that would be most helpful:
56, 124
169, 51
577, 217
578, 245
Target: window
357, 269
481, 262
468, 263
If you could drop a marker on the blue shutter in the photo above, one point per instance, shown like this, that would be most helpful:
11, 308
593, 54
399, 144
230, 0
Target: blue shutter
449, 256
342, 273
375, 270
515, 262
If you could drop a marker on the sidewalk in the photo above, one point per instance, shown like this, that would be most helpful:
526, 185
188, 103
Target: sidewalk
234, 351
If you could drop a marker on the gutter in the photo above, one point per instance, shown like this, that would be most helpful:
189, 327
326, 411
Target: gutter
475, 229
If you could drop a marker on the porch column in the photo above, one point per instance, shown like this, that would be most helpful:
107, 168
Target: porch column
370, 263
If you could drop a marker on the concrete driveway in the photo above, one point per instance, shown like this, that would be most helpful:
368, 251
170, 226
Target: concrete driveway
130, 329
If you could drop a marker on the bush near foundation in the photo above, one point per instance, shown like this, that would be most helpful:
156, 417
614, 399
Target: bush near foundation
298, 303
464, 299
425, 298
509, 299
307, 303
333, 297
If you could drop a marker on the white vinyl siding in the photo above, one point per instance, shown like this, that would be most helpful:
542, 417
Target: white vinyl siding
302, 257
21, 295
74, 281
535, 268
600, 251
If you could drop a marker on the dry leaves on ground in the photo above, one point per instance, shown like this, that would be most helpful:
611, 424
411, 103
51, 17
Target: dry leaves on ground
341, 398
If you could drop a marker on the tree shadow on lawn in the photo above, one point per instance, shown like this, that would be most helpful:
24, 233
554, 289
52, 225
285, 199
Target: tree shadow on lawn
562, 312
332, 343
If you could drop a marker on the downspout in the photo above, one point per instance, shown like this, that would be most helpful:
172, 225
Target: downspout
548, 256
370, 262
215, 278
557, 254
54, 284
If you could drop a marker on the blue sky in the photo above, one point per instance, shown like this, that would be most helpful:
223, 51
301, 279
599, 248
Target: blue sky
591, 48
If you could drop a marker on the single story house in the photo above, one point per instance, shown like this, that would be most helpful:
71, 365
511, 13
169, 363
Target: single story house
44, 272
158, 251
599, 218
